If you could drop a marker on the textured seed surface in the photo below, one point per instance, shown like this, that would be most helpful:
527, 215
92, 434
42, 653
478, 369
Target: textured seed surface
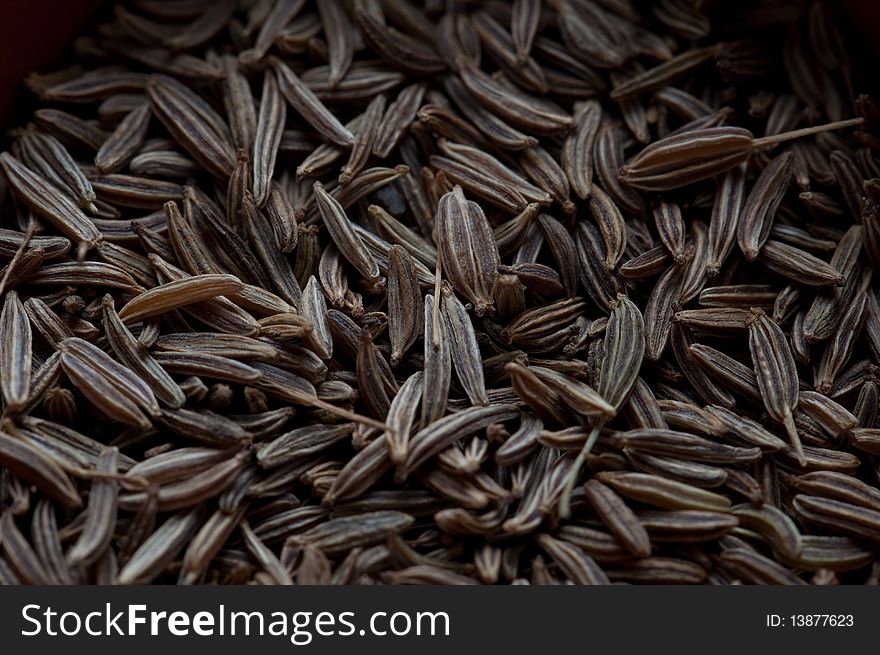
393, 292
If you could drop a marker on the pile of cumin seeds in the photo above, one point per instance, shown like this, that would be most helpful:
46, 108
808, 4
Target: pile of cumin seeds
374, 291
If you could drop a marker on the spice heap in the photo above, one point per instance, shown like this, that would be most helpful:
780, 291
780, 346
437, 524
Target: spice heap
467, 292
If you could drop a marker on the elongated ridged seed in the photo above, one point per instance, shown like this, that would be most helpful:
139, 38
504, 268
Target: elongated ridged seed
392, 292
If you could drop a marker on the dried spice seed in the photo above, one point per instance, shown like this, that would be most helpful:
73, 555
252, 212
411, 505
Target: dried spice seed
465, 351
467, 249
192, 123
618, 518
309, 106
776, 374
341, 313
100, 514
404, 299
178, 293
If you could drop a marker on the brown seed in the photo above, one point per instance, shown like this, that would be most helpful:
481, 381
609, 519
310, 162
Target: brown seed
125, 141
524, 21
49, 202
266, 271
341, 534
404, 51
100, 513
681, 444
114, 389
397, 119
309, 106
270, 125
661, 75
577, 151
850, 519
178, 293
608, 157
137, 359
660, 311
547, 174
343, 234
436, 436
15, 353
364, 140
840, 346
663, 492
189, 493
776, 374
32, 465
601, 284
611, 225
485, 120
467, 249
761, 205
338, 30
774, 526
404, 298
624, 347
437, 364
577, 564
694, 155
266, 558
464, 350
193, 124
148, 561
753, 567
618, 518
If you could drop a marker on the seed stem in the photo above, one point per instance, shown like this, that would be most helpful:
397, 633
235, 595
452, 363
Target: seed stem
791, 429
765, 141
351, 416
571, 478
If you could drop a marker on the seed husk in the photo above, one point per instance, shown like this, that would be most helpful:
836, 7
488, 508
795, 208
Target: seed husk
32, 465
309, 106
404, 298
100, 513
467, 249
380, 292
624, 347
618, 518
193, 124
775, 373
761, 204
176, 294
694, 155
